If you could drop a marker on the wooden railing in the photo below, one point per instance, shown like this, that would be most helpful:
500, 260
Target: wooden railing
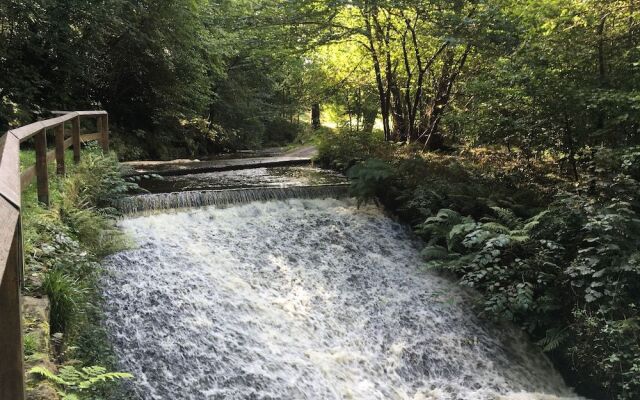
12, 182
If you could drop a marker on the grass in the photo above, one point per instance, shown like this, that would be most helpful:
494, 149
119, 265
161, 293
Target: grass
66, 295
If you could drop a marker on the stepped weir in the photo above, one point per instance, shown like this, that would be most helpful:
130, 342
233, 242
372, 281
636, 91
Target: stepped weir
221, 198
294, 292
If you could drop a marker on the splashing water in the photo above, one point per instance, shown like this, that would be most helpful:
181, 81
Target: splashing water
303, 299
148, 203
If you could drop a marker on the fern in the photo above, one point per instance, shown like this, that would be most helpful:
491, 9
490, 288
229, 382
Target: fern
369, 179
458, 233
506, 217
73, 383
553, 339
436, 229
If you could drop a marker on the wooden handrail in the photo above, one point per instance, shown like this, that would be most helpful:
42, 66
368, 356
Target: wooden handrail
12, 182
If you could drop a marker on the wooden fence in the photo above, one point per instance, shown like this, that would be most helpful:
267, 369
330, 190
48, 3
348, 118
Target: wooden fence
12, 182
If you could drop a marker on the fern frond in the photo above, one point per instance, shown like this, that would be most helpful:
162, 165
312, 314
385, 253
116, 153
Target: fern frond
553, 339
506, 217
496, 228
48, 375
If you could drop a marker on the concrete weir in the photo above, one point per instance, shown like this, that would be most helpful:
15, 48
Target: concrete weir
300, 156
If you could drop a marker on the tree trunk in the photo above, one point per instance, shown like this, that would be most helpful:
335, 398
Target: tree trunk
450, 71
384, 110
315, 115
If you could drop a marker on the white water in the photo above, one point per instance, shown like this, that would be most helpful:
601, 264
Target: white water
148, 203
302, 299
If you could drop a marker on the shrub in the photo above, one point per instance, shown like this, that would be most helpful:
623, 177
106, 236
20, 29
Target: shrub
342, 150
85, 201
66, 296
563, 263
570, 275
83, 383
280, 131
369, 178
62, 244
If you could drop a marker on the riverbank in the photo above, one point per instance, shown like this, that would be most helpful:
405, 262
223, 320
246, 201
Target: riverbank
559, 258
63, 245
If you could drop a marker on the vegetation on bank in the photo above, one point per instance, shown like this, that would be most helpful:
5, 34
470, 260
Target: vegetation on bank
223, 75
531, 107
62, 246
559, 258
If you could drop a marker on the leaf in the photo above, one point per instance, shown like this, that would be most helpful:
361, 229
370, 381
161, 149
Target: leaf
432, 253
553, 339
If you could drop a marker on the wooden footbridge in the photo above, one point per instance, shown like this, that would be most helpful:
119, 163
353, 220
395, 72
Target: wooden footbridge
12, 182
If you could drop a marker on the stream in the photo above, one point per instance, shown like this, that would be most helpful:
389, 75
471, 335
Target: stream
303, 299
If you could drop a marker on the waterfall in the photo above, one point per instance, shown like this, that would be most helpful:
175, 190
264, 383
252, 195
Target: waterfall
199, 198
301, 299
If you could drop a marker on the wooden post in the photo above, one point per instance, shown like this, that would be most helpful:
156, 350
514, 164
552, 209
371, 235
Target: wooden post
60, 149
41, 167
75, 132
104, 130
11, 345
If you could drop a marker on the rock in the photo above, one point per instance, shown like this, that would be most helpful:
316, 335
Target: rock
35, 314
43, 391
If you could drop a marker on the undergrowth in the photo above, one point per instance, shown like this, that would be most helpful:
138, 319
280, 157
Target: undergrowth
560, 259
63, 244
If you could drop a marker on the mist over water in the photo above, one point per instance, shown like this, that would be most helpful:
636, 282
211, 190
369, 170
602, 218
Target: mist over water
302, 299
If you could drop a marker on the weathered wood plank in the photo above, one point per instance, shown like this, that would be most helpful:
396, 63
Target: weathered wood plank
59, 152
75, 136
28, 175
9, 216
93, 113
11, 344
41, 167
11, 256
51, 155
25, 132
10, 168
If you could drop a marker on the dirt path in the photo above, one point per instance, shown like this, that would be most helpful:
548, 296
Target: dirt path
304, 151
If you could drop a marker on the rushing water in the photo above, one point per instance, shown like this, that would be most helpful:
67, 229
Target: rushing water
147, 203
302, 299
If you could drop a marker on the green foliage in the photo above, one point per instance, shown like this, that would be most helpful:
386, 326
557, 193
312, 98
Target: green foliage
571, 82
96, 180
564, 267
280, 131
66, 295
631, 163
209, 62
342, 150
85, 198
77, 384
62, 247
31, 344
570, 288
368, 179
570, 275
